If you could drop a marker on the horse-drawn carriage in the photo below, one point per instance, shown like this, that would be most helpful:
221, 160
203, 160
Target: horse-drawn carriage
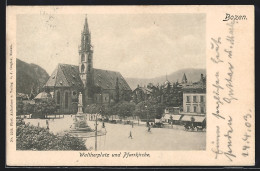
195, 125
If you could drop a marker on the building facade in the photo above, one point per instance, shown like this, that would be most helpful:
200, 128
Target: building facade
194, 97
96, 85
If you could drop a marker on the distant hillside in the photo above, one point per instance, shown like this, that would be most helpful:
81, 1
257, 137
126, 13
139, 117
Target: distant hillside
28, 76
192, 75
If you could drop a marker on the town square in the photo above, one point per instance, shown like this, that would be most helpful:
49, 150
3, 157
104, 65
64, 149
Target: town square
81, 107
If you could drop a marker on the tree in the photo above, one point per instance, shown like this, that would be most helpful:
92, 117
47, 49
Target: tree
45, 107
126, 95
19, 107
93, 108
30, 137
124, 109
150, 109
142, 110
159, 108
28, 108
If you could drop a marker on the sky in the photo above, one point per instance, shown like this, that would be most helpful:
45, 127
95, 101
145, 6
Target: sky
137, 45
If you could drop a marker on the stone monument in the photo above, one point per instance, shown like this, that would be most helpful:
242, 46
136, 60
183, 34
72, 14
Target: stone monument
80, 111
80, 123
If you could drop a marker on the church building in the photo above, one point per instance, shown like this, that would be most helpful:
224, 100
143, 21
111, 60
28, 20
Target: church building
96, 85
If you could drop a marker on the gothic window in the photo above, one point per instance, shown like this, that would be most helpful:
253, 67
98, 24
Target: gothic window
82, 68
89, 58
82, 57
66, 100
58, 97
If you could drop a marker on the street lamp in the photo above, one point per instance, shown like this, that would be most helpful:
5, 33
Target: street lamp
96, 124
88, 112
146, 115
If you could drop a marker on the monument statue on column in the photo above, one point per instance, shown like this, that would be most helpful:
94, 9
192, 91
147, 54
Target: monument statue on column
80, 123
80, 111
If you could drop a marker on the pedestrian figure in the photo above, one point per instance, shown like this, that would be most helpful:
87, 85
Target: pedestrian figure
149, 129
132, 124
47, 123
103, 126
130, 135
38, 124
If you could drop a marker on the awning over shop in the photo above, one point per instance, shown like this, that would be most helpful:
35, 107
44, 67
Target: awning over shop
157, 120
167, 116
196, 118
174, 117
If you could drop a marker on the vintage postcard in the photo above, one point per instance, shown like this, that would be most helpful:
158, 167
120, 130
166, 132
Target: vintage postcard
130, 86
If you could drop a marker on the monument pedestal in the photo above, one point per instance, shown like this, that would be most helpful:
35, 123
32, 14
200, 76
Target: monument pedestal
80, 111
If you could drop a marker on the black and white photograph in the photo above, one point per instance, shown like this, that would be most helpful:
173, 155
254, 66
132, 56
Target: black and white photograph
111, 82
130, 86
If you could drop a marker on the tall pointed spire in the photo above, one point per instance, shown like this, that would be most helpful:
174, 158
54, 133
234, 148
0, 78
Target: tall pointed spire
86, 56
184, 79
85, 37
86, 29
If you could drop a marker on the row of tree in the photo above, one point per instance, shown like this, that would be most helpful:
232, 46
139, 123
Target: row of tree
39, 110
142, 105
170, 95
144, 110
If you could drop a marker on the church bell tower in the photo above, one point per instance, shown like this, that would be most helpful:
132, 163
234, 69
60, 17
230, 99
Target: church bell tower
86, 60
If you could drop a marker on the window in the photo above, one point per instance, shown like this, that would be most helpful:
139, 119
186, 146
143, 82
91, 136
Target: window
201, 98
194, 98
58, 97
188, 99
202, 110
66, 100
82, 57
82, 68
188, 108
194, 109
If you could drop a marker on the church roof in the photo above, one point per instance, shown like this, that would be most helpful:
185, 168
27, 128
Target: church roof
68, 76
107, 79
65, 76
43, 95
